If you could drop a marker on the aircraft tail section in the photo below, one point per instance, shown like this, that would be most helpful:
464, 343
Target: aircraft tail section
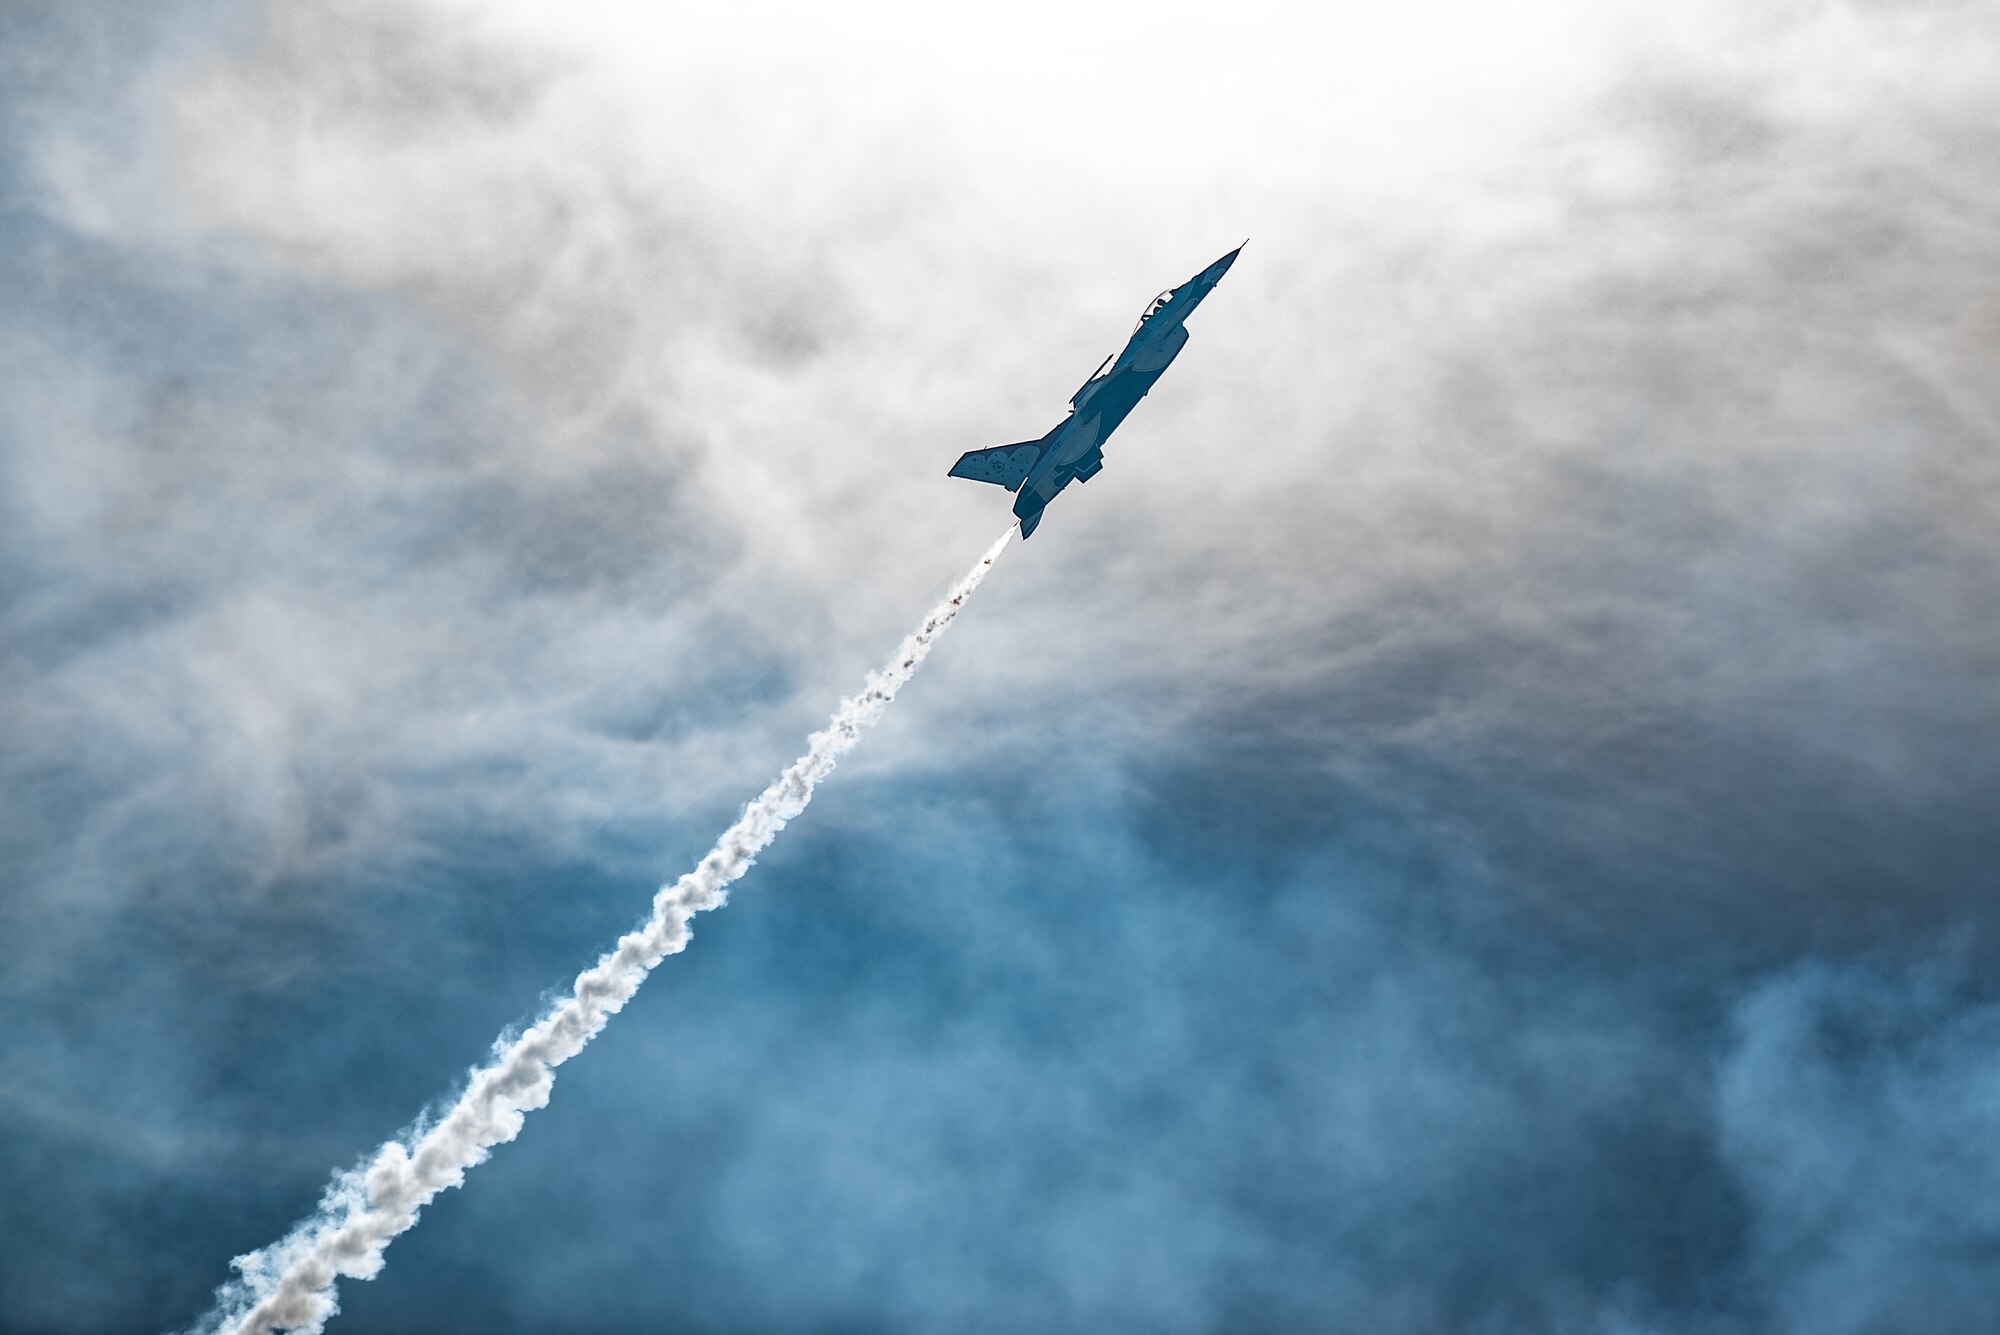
1006, 466
1030, 501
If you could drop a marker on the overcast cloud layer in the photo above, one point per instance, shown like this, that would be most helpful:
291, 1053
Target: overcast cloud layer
1479, 820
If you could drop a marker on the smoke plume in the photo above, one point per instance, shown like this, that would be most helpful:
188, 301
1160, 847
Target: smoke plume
290, 1285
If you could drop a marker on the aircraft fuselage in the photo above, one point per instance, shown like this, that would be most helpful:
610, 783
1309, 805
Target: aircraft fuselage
1037, 471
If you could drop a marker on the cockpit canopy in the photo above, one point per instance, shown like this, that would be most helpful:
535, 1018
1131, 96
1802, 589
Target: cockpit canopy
1152, 308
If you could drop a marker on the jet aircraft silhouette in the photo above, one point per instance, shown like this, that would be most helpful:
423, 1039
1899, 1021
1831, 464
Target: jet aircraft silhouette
1037, 470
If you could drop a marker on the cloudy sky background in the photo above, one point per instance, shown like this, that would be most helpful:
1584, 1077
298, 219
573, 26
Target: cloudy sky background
1479, 820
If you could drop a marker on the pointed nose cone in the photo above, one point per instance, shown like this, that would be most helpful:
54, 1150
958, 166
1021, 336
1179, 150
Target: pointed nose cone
1221, 266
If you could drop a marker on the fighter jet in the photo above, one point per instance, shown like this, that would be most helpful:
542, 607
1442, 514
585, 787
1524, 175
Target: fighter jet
1038, 470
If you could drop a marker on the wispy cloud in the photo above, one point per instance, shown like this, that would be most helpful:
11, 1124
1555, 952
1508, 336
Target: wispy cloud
291, 1285
436, 455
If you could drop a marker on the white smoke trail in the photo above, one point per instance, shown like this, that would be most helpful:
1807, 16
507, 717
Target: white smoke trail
289, 1285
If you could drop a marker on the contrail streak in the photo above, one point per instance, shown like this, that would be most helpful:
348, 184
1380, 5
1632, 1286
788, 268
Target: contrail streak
290, 1284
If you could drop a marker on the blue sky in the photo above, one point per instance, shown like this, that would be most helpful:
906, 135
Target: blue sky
1478, 820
